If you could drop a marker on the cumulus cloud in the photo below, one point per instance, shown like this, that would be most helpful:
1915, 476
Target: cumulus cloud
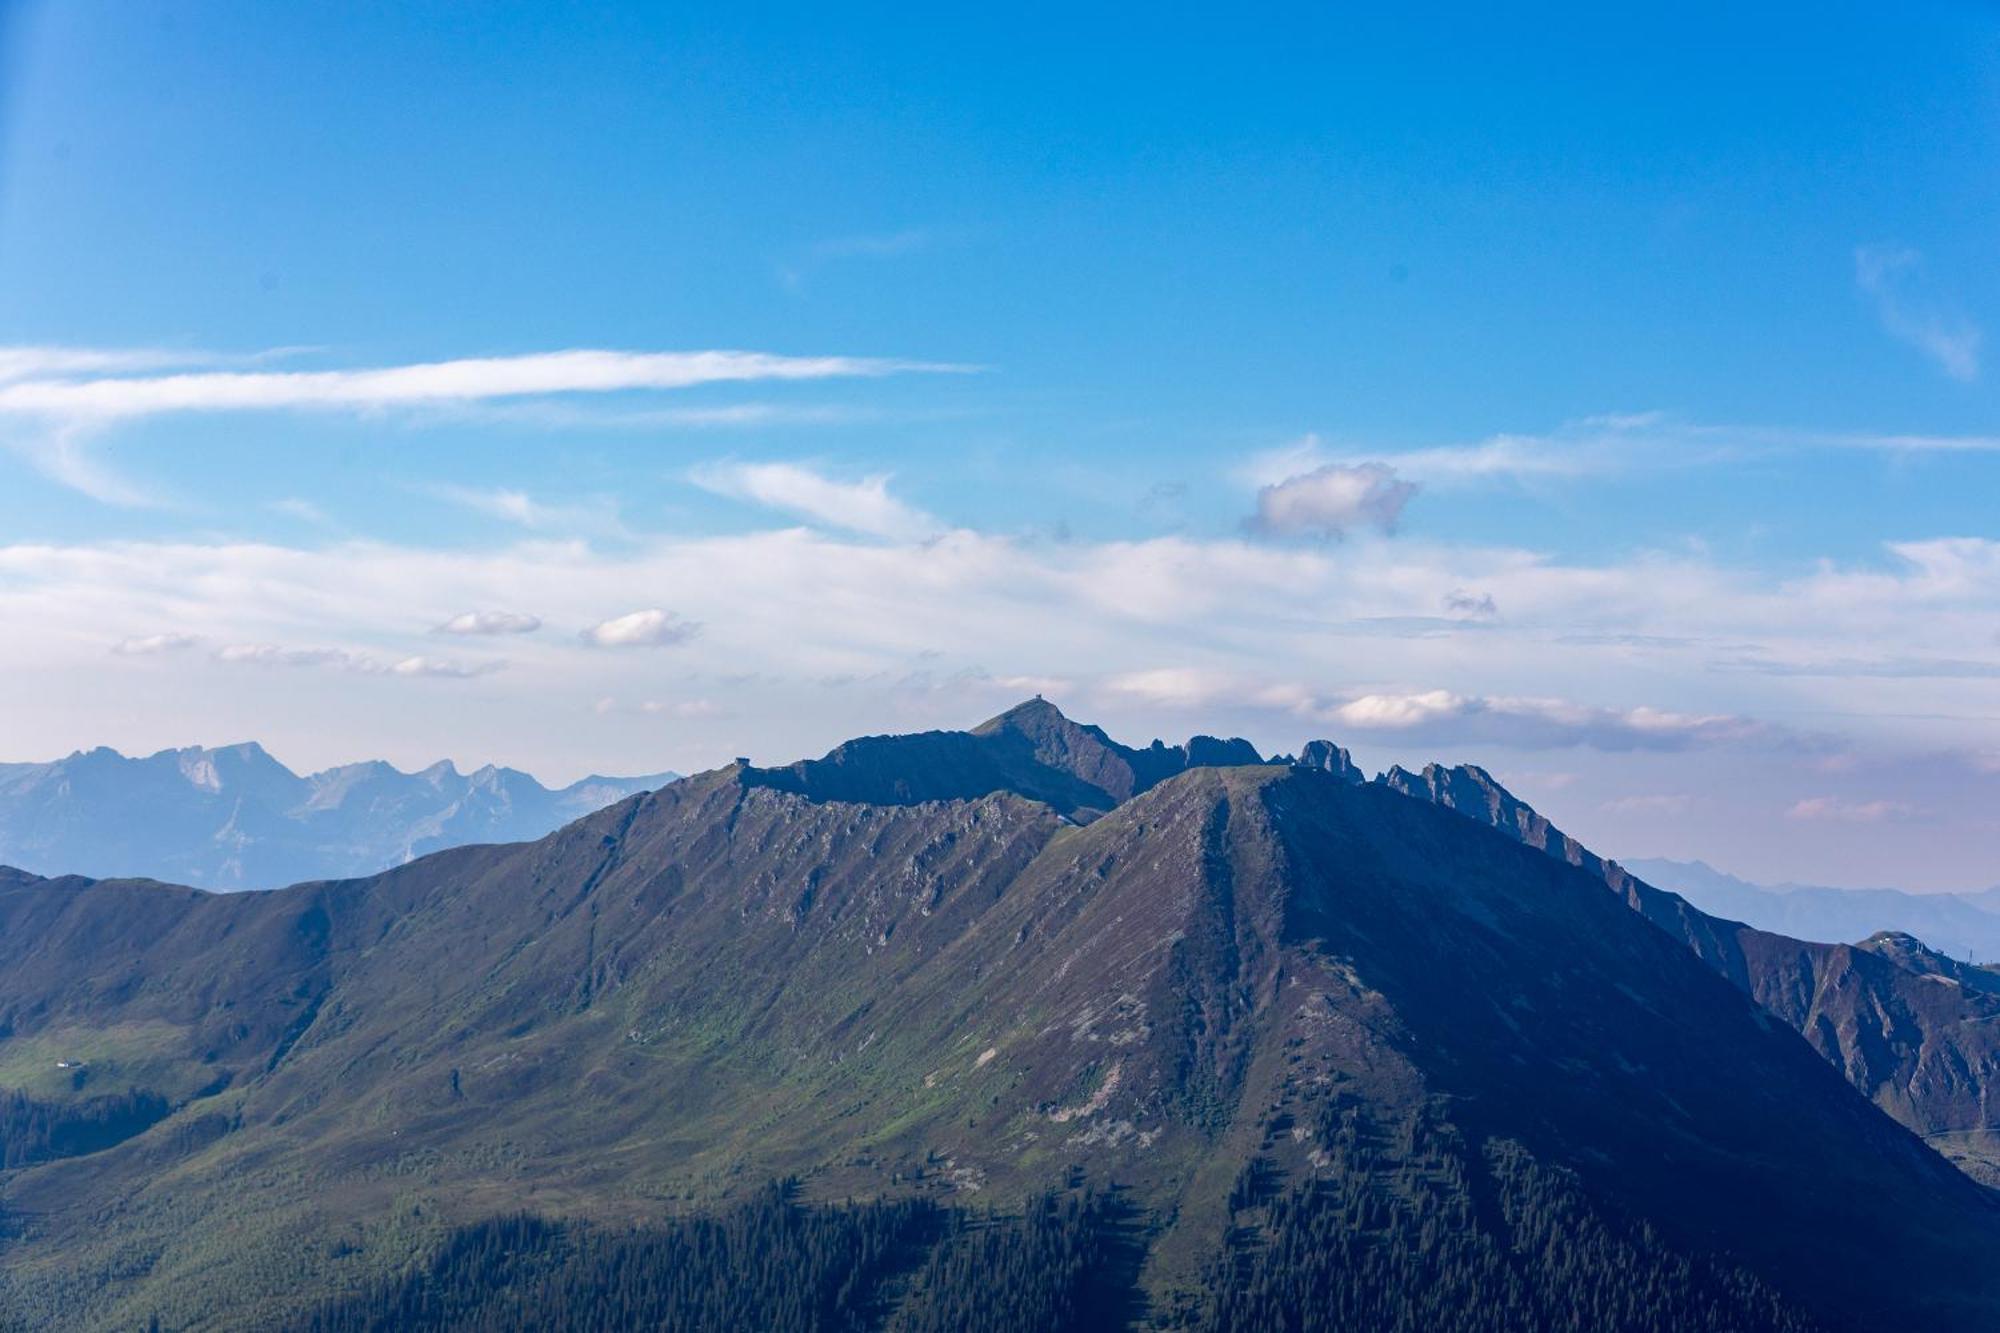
1532, 723
490, 622
152, 645
652, 628
863, 506
1331, 501
1834, 809
1892, 277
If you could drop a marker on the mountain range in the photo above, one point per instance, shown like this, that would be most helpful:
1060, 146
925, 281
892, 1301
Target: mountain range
1029, 1028
235, 818
1964, 925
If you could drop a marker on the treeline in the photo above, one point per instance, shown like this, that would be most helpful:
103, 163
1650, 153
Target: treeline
1412, 1231
34, 1131
772, 1264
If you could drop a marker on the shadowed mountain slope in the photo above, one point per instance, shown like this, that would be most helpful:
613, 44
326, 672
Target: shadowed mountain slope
235, 818
1322, 1038
1913, 1030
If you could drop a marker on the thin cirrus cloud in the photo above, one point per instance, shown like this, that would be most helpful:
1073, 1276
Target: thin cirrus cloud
1594, 446
26, 363
1834, 809
473, 379
1600, 446
651, 628
490, 622
443, 668
278, 655
1892, 278
153, 645
863, 506
598, 515
59, 399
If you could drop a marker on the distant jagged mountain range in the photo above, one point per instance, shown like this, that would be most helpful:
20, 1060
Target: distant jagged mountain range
1964, 925
236, 818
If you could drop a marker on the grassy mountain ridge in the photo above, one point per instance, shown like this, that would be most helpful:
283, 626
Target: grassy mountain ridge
1254, 997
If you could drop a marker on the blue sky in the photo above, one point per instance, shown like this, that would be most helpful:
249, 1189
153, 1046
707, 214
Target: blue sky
1605, 399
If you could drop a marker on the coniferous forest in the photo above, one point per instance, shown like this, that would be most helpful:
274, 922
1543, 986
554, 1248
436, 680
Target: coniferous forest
913, 1266
33, 1131
1402, 1229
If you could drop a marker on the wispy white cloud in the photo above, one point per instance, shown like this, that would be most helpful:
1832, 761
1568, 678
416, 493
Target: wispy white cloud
794, 272
1174, 687
560, 414
1535, 723
1442, 716
20, 363
1593, 448
685, 709
57, 400
864, 506
1834, 809
1650, 803
1597, 446
1892, 277
305, 511
596, 515
279, 655
491, 622
444, 667
61, 451
472, 379
651, 628
153, 645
